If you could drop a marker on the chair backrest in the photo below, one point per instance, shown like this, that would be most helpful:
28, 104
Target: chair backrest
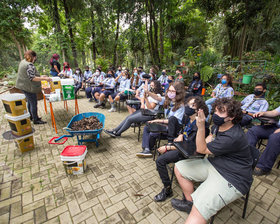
255, 153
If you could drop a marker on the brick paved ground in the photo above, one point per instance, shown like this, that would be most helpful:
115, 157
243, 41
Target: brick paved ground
35, 188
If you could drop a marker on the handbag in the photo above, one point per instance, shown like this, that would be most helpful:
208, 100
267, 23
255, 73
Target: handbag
147, 112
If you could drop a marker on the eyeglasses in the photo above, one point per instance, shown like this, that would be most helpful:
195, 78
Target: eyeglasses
172, 91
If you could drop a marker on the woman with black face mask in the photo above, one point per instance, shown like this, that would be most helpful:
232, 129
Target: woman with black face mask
195, 87
169, 153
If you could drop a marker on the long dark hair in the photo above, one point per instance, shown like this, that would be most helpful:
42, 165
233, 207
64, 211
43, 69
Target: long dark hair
180, 96
158, 89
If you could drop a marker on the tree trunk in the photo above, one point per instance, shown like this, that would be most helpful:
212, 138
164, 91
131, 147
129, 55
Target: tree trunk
56, 20
68, 21
242, 41
155, 38
93, 34
147, 30
99, 16
17, 44
83, 58
161, 36
117, 35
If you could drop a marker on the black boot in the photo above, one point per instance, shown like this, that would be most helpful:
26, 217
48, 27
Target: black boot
164, 194
182, 205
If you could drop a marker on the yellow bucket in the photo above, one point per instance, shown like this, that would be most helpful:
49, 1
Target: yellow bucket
20, 125
55, 83
14, 104
25, 143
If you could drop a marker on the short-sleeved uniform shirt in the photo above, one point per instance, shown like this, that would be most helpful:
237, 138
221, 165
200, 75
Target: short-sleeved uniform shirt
253, 105
232, 157
152, 100
179, 113
222, 92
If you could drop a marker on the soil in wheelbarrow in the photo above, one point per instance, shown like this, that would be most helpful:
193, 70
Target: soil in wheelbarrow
88, 123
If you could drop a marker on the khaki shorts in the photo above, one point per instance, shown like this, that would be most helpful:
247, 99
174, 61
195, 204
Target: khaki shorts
214, 193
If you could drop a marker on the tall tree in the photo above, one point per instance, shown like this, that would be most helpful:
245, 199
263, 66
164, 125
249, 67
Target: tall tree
70, 29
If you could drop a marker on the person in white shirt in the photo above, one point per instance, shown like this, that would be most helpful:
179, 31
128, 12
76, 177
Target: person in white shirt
78, 79
66, 72
107, 89
147, 102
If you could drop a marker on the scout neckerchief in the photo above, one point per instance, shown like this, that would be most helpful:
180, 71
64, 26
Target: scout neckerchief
169, 109
188, 129
223, 90
252, 101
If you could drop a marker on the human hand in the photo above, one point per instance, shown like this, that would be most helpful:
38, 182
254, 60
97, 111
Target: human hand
162, 149
48, 79
277, 131
200, 119
179, 138
258, 114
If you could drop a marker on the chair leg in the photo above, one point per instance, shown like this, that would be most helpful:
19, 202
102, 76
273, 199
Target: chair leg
172, 176
139, 130
245, 205
212, 219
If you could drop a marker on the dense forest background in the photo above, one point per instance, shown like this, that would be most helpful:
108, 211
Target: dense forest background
200, 34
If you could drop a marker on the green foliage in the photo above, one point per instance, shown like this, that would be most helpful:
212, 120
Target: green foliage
206, 73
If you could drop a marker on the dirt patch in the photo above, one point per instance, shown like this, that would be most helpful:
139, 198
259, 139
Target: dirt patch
88, 123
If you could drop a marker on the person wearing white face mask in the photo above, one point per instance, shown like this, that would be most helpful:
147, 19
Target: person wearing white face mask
78, 79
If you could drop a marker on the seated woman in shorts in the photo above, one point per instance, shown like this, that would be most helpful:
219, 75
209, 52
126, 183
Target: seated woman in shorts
119, 95
174, 112
169, 153
107, 89
147, 102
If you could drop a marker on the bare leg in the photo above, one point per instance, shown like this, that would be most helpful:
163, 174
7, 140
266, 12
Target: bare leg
195, 217
185, 184
111, 99
102, 97
96, 95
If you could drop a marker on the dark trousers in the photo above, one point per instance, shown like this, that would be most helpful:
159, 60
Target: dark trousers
163, 160
246, 120
78, 86
149, 138
32, 104
89, 92
272, 149
136, 117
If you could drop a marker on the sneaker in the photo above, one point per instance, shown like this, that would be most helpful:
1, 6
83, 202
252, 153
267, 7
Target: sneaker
90, 100
112, 110
182, 205
111, 133
259, 172
102, 105
145, 153
39, 122
164, 194
97, 105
